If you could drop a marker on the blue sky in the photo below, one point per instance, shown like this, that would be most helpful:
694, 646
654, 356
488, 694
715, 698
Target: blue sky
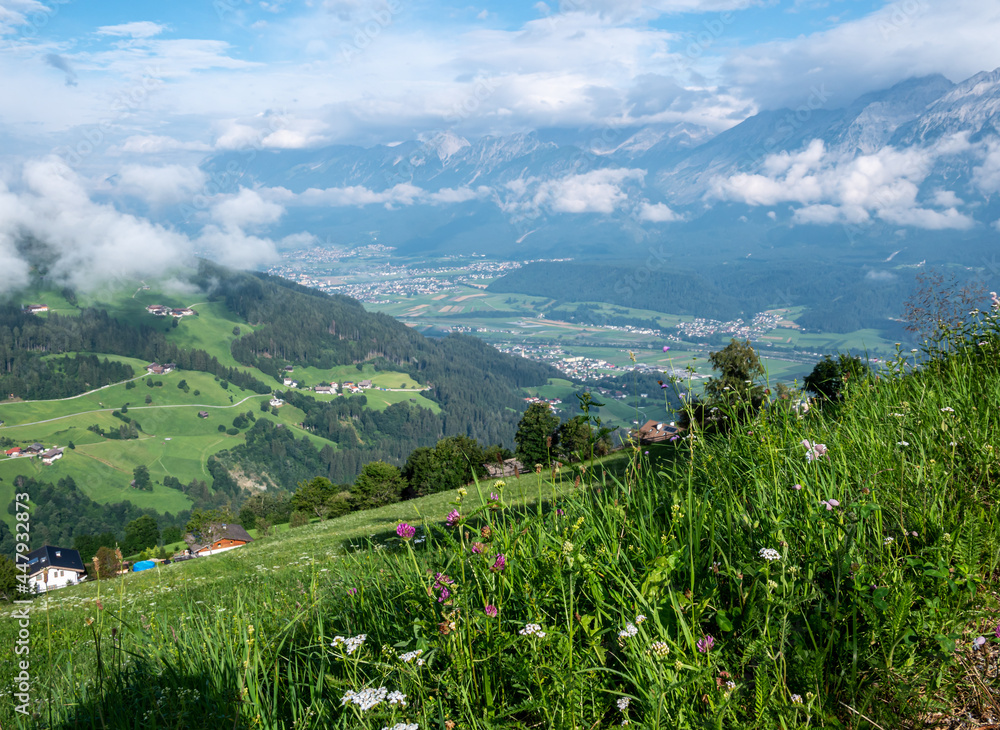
108, 108
189, 77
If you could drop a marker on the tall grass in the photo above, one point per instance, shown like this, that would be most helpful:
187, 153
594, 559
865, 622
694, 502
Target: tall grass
753, 580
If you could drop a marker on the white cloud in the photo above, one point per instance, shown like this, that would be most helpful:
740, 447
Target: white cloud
597, 191
155, 144
138, 29
987, 176
898, 41
245, 209
16, 14
160, 184
835, 188
658, 213
233, 247
80, 242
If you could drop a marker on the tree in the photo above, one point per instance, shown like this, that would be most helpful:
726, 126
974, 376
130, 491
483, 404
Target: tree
828, 378
572, 439
298, 519
377, 484
739, 370
141, 476
140, 533
171, 535
109, 562
534, 434
312, 496
236, 331
205, 522
8, 579
88, 545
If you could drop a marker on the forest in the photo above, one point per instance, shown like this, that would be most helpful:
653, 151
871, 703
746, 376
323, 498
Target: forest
839, 297
26, 338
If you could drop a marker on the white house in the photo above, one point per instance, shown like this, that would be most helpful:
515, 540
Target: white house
54, 567
277, 402
290, 383
52, 455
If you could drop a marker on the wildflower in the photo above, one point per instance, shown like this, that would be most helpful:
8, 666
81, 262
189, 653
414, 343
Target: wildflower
772, 585
628, 632
532, 630
666, 347
462, 493
830, 504
678, 665
413, 656
396, 698
352, 591
478, 548
623, 703
491, 610
494, 497
663, 386
797, 487
640, 618
660, 649
997, 632
888, 541
769, 554
88, 621
453, 518
902, 443
947, 409
350, 644
814, 450
796, 699
499, 484
706, 643
406, 531
500, 564
403, 726
646, 453
978, 642
366, 699
445, 594
559, 512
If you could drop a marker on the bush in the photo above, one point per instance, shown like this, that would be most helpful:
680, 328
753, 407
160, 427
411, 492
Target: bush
232, 431
298, 519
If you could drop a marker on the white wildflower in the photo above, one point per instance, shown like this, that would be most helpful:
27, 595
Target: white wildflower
396, 698
640, 618
413, 655
350, 644
366, 699
403, 726
623, 703
769, 554
947, 409
796, 699
532, 630
629, 631
888, 541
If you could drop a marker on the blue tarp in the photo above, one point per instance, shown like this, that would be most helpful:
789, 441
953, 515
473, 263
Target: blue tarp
143, 565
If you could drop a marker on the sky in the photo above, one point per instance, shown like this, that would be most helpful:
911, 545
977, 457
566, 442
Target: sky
112, 98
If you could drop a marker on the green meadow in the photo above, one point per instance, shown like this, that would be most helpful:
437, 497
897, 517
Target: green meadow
836, 568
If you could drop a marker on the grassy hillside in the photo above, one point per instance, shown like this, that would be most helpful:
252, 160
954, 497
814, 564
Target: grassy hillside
832, 569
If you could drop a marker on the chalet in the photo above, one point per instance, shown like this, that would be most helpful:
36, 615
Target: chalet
508, 468
32, 450
156, 369
158, 309
217, 538
202, 414
653, 432
52, 455
36, 308
290, 383
277, 402
54, 567
12, 453
325, 389
183, 312
288, 368
365, 384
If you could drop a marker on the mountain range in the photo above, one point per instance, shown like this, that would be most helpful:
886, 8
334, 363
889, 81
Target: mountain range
909, 168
